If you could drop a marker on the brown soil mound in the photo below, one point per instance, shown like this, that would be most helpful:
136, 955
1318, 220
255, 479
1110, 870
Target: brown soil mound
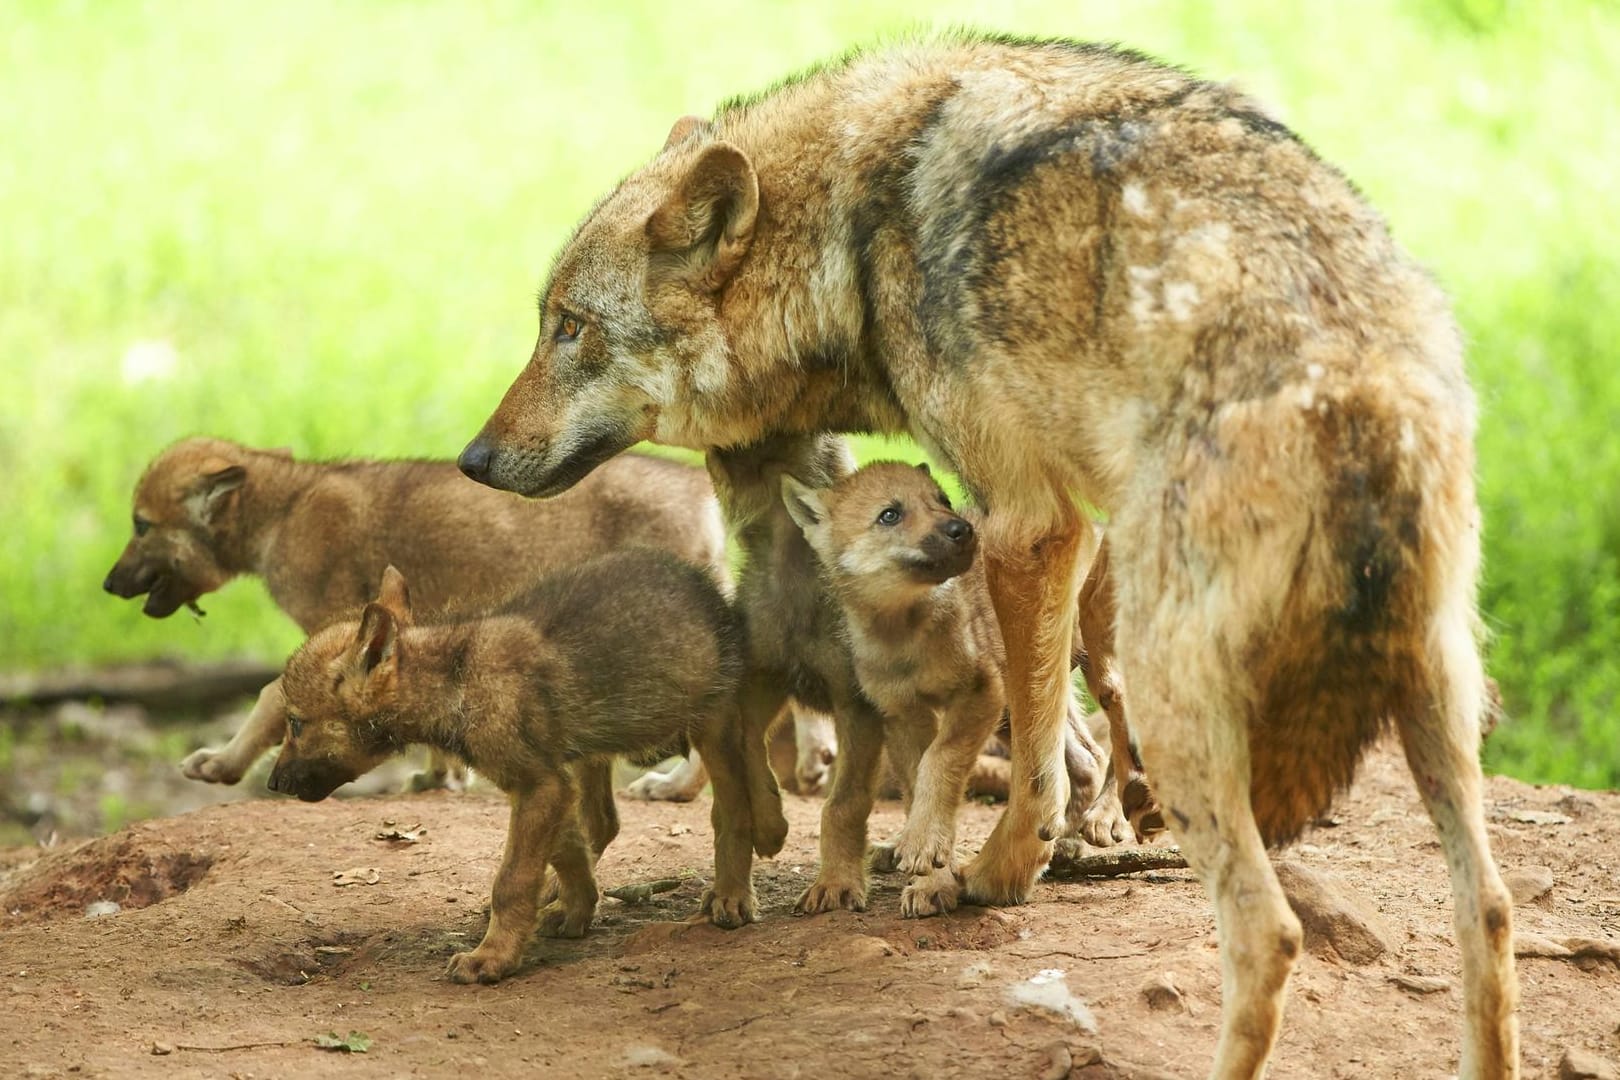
246, 950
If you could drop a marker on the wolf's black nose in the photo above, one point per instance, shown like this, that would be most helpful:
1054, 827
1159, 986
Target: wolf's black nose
474, 461
957, 530
107, 584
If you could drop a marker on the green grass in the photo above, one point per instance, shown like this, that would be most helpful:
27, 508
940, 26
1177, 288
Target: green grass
336, 215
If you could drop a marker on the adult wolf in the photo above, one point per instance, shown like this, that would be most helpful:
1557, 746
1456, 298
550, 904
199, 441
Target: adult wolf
1072, 272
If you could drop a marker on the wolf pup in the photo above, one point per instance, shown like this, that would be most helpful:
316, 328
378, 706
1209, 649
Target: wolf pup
927, 653
319, 534
628, 654
1074, 273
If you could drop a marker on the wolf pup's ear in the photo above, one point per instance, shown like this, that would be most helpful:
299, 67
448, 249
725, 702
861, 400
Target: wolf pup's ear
804, 504
685, 126
395, 594
377, 641
211, 492
703, 230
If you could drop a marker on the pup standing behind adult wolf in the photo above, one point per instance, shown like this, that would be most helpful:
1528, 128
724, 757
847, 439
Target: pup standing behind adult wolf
1068, 271
533, 693
320, 534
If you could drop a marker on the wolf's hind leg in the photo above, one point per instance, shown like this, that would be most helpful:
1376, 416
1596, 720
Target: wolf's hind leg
1442, 748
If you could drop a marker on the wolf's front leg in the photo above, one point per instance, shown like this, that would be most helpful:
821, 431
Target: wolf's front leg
1033, 587
928, 841
265, 726
537, 816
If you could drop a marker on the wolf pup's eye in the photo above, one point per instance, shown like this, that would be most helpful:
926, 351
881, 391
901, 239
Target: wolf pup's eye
890, 515
295, 725
141, 525
568, 328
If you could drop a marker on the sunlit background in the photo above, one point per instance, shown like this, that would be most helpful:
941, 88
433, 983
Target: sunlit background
321, 225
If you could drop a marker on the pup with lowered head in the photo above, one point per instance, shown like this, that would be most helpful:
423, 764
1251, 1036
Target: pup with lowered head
928, 653
320, 534
533, 694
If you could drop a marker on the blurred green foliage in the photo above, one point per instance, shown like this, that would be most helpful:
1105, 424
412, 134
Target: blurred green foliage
320, 225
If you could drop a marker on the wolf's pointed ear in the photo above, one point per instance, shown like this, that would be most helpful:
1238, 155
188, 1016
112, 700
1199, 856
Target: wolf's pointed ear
703, 230
804, 504
395, 594
924, 469
210, 494
685, 126
377, 641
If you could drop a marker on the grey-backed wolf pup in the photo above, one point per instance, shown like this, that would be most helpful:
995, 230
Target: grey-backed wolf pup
928, 654
1074, 273
320, 533
628, 655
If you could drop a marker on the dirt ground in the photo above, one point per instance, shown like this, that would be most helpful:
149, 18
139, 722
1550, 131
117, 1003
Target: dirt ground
234, 948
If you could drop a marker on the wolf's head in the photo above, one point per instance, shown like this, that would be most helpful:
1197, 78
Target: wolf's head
631, 346
886, 531
341, 689
187, 504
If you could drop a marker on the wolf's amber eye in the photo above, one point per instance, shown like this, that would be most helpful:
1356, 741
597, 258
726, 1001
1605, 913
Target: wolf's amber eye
568, 328
141, 525
890, 515
295, 725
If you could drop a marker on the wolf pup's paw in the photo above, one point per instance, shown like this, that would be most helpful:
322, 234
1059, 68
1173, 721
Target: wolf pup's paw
921, 851
556, 921
480, 966
1103, 823
661, 787
770, 832
730, 912
211, 766
885, 857
934, 893
832, 895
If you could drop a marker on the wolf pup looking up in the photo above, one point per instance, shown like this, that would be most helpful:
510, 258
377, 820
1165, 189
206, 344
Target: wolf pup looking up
1074, 273
927, 653
320, 533
626, 655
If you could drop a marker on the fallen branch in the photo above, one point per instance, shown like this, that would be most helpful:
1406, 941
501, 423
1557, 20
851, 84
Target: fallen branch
640, 894
233, 1046
1070, 862
159, 686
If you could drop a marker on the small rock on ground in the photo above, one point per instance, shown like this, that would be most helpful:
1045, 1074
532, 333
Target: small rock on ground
1330, 917
1584, 1065
1527, 883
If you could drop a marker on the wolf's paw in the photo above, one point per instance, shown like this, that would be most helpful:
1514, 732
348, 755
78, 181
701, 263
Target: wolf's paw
922, 850
770, 830
557, 921
730, 911
1103, 823
663, 787
481, 966
211, 766
885, 857
1141, 809
934, 893
1004, 872
830, 894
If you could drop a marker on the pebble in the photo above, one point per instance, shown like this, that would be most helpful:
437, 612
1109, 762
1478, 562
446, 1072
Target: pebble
998, 1019
161, 1049
1057, 1064
1584, 1065
1161, 992
1527, 883
1330, 917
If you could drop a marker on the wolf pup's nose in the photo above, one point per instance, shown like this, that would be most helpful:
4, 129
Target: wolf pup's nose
474, 461
107, 583
956, 530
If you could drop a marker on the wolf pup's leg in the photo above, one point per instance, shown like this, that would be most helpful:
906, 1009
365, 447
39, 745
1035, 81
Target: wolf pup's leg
758, 703
1094, 812
265, 726
683, 783
905, 741
1033, 587
569, 915
841, 880
1442, 748
730, 902
598, 816
537, 817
